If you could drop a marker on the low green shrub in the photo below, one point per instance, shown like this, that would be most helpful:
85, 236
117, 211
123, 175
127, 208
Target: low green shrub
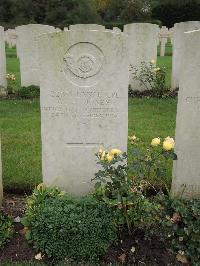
60, 226
30, 92
6, 229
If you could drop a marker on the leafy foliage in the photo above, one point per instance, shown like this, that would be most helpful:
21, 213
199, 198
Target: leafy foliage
175, 221
180, 226
6, 229
171, 12
30, 92
55, 12
61, 227
124, 185
151, 78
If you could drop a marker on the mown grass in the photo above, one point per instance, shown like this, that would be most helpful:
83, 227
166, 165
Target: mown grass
20, 129
13, 67
21, 140
168, 49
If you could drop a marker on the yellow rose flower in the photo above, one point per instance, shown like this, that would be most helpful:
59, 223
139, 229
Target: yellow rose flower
40, 186
100, 151
103, 154
62, 193
155, 142
109, 157
132, 138
115, 152
168, 144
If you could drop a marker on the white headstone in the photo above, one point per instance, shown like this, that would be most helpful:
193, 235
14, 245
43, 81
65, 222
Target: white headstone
164, 34
163, 42
3, 82
179, 30
11, 37
28, 53
80, 27
1, 184
142, 46
84, 104
117, 30
171, 35
186, 174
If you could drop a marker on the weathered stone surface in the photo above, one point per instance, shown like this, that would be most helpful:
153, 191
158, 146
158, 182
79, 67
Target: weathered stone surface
187, 168
171, 35
86, 27
163, 42
11, 37
141, 45
3, 82
178, 37
27, 51
1, 184
164, 34
117, 30
84, 104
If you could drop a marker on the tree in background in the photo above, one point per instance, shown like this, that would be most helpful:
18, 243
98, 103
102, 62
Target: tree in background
54, 12
5, 11
64, 12
124, 10
174, 11
136, 10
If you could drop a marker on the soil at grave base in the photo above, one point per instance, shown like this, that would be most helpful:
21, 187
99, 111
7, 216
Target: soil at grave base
143, 252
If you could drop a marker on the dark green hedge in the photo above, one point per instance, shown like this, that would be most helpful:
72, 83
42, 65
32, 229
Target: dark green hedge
174, 12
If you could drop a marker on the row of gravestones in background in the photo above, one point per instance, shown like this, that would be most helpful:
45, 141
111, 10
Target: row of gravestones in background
84, 106
142, 46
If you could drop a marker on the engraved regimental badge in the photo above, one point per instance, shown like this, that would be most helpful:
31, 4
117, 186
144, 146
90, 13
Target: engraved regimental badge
82, 62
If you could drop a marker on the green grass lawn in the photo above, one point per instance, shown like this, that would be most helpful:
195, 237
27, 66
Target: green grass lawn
20, 129
13, 68
21, 143
168, 49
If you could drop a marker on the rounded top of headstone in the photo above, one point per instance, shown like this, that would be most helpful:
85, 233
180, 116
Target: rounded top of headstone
34, 26
86, 27
140, 25
185, 23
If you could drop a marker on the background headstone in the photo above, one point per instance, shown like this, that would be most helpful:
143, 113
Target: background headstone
84, 104
141, 45
86, 27
3, 82
117, 30
171, 35
28, 53
178, 40
187, 167
164, 34
11, 38
163, 42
